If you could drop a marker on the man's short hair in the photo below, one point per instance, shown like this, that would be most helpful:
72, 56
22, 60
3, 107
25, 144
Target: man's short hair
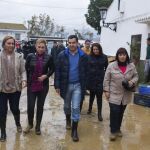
73, 37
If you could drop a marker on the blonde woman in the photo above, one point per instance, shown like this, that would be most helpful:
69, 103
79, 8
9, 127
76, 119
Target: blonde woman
12, 80
39, 67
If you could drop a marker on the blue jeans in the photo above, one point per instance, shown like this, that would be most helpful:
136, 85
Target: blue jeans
116, 116
72, 101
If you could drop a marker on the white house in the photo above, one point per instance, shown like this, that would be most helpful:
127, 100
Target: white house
19, 31
133, 25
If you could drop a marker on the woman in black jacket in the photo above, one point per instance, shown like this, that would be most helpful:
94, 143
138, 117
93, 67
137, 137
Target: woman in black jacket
39, 68
97, 64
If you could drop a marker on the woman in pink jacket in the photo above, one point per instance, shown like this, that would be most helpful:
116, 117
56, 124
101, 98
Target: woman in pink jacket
120, 79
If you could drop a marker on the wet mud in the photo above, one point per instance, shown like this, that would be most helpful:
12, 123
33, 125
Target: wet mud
94, 135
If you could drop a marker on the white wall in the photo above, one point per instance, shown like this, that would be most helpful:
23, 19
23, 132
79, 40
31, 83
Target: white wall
126, 26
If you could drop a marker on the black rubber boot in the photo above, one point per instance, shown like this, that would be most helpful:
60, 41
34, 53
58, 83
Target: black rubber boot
90, 108
3, 135
38, 124
68, 121
91, 100
100, 116
38, 129
74, 132
81, 104
17, 121
3, 130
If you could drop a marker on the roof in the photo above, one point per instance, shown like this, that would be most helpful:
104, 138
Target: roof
13, 26
48, 38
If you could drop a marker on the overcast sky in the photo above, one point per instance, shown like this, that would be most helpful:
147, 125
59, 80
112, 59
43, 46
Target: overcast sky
69, 13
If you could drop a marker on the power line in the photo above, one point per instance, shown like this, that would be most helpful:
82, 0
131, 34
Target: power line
33, 5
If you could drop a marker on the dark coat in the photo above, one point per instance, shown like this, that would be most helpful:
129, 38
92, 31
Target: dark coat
96, 71
55, 51
62, 72
48, 67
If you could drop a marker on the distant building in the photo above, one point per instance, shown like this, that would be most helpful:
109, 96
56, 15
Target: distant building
19, 31
133, 26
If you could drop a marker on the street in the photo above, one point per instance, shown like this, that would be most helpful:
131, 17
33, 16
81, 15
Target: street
94, 135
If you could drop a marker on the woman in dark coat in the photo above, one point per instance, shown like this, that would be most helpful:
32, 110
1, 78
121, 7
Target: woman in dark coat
39, 67
97, 64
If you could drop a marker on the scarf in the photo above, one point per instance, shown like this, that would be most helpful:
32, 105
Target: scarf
8, 72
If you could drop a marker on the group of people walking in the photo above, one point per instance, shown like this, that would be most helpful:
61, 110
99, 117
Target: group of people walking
75, 72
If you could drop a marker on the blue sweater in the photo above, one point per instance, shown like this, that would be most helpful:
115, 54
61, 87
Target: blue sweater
74, 67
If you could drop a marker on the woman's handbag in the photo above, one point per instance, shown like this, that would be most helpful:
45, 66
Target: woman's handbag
126, 85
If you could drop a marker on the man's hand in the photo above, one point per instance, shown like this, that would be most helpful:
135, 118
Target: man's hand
58, 91
23, 84
42, 78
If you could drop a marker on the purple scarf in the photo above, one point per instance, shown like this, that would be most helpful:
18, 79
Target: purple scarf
36, 85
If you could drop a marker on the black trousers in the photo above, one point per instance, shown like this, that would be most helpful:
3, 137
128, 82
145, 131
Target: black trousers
98, 95
116, 116
13, 99
32, 97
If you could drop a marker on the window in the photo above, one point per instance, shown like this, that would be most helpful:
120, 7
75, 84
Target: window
135, 47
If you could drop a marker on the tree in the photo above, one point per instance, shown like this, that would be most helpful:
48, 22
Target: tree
78, 34
59, 31
84, 34
33, 25
41, 25
93, 16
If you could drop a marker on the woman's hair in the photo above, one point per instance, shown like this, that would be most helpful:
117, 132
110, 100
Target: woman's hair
7, 38
38, 41
99, 48
122, 50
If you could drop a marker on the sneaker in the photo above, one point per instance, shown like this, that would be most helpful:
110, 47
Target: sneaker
112, 137
19, 129
28, 128
119, 133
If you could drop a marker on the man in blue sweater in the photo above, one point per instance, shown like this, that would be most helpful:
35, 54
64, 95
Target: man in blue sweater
70, 82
